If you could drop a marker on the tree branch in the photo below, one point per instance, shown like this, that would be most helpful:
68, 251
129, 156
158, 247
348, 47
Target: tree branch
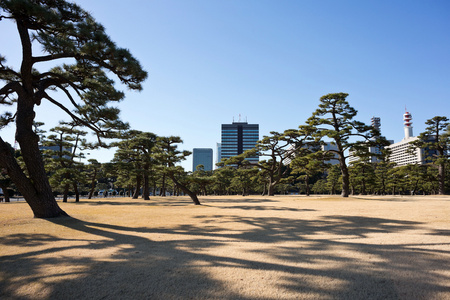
10, 87
8, 71
74, 117
37, 59
62, 79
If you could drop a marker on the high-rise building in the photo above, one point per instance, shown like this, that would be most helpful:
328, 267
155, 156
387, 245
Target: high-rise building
399, 151
219, 152
376, 123
202, 156
237, 138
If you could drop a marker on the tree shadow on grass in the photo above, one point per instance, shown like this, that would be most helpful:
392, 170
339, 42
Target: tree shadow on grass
108, 261
237, 199
154, 201
264, 208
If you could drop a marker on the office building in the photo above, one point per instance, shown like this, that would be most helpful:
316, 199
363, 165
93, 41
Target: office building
237, 138
376, 123
202, 156
400, 154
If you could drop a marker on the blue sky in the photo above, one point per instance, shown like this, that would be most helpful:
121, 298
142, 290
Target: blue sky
270, 62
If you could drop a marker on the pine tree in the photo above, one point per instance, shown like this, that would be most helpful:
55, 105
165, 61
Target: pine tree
435, 140
64, 31
335, 119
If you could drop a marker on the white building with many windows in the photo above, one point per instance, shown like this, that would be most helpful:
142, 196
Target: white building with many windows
400, 154
402, 157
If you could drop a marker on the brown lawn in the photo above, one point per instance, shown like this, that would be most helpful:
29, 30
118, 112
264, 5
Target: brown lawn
292, 247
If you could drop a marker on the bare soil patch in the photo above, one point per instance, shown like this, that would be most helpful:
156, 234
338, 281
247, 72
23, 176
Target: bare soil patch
290, 247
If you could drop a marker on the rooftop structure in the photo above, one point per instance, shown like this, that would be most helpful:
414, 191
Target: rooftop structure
400, 154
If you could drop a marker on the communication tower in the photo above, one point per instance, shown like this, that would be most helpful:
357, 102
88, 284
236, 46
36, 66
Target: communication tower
408, 125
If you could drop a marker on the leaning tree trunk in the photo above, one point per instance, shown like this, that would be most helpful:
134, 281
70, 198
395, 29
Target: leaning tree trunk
185, 190
35, 188
37, 194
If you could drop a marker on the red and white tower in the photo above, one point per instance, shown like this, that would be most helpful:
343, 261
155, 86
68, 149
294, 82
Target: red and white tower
408, 125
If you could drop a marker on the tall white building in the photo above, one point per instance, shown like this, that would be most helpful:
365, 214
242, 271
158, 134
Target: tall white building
400, 154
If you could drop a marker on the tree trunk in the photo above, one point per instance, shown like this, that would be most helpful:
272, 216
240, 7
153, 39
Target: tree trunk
91, 192
39, 195
345, 177
186, 190
77, 194
307, 185
138, 187
441, 178
146, 191
35, 189
5, 192
66, 192
162, 191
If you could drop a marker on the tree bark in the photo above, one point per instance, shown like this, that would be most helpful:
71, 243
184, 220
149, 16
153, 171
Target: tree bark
307, 185
186, 190
138, 187
38, 196
66, 192
146, 190
345, 177
162, 191
5, 192
77, 193
35, 189
441, 177
91, 192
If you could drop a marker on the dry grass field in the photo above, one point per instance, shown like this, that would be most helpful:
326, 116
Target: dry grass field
292, 247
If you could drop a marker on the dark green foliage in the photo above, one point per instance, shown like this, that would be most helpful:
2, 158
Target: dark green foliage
435, 142
61, 158
63, 31
335, 119
135, 158
169, 156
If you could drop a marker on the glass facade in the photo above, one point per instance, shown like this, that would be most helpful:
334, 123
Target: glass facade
237, 138
202, 156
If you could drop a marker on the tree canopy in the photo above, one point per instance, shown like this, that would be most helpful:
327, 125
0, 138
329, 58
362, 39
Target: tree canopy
83, 57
